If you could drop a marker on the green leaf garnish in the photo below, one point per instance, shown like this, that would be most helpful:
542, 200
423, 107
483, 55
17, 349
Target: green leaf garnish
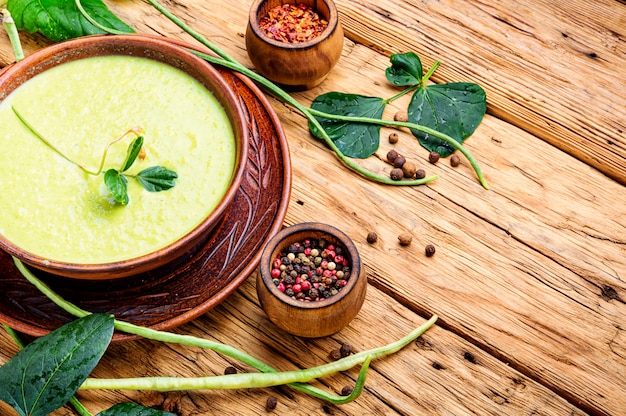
132, 409
157, 178
133, 151
47, 372
60, 20
358, 140
117, 184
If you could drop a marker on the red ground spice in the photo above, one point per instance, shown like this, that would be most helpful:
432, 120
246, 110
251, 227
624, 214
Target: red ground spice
292, 23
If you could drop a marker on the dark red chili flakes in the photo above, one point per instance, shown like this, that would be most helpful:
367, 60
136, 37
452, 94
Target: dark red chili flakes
311, 270
292, 23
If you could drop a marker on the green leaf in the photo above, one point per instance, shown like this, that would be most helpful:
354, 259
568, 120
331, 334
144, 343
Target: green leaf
60, 20
157, 178
132, 409
131, 155
358, 140
47, 372
117, 185
455, 109
405, 69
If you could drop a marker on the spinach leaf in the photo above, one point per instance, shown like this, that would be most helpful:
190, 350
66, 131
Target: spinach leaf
60, 20
405, 69
455, 109
358, 140
157, 178
132, 409
46, 373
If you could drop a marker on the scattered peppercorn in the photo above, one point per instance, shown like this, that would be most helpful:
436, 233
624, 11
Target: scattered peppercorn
399, 162
335, 354
292, 23
455, 161
346, 390
230, 370
372, 237
401, 116
392, 155
430, 250
311, 270
405, 239
409, 170
393, 138
396, 174
433, 157
345, 350
420, 174
270, 403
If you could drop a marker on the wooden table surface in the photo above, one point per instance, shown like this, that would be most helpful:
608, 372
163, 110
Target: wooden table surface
529, 277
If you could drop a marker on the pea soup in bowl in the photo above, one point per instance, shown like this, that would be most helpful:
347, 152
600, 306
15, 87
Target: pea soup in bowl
120, 154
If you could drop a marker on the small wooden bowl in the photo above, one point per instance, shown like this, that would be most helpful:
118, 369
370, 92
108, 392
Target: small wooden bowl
159, 50
311, 319
300, 65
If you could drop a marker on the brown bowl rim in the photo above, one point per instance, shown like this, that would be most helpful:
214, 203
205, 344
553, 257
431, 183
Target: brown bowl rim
302, 228
333, 23
123, 268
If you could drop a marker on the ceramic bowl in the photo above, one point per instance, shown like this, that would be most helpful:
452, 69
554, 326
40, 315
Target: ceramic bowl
311, 318
165, 52
298, 65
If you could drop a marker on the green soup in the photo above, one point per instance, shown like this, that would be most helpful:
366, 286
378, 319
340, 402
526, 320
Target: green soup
53, 209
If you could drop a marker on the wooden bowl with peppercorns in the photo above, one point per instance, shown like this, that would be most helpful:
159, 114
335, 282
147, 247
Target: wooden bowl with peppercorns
311, 282
294, 43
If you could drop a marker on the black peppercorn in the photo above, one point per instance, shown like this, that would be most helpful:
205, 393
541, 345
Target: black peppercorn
399, 162
345, 350
270, 403
420, 174
346, 390
372, 237
430, 250
396, 174
335, 355
230, 370
392, 155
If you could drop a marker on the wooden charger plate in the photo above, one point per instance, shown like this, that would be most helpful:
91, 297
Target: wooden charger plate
191, 286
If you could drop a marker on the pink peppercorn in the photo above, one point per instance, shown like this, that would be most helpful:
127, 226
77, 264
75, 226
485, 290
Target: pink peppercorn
305, 285
297, 288
275, 273
281, 287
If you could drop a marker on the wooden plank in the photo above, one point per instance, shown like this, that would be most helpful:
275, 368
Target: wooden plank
530, 273
552, 70
440, 374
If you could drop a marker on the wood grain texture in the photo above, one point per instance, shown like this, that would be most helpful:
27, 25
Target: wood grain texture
552, 69
529, 277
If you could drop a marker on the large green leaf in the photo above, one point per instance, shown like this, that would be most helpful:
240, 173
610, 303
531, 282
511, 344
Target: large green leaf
405, 69
132, 409
455, 109
47, 372
60, 20
358, 140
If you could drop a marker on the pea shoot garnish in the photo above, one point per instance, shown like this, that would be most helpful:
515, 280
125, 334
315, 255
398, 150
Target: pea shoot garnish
152, 179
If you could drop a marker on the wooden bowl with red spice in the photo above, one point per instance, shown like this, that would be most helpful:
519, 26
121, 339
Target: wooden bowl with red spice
294, 43
311, 282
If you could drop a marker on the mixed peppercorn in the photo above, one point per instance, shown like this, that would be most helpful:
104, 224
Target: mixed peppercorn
311, 270
292, 23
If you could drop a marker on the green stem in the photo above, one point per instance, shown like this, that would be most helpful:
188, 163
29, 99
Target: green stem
197, 36
401, 93
226, 349
285, 97
432, 69
412, 126
11, 29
